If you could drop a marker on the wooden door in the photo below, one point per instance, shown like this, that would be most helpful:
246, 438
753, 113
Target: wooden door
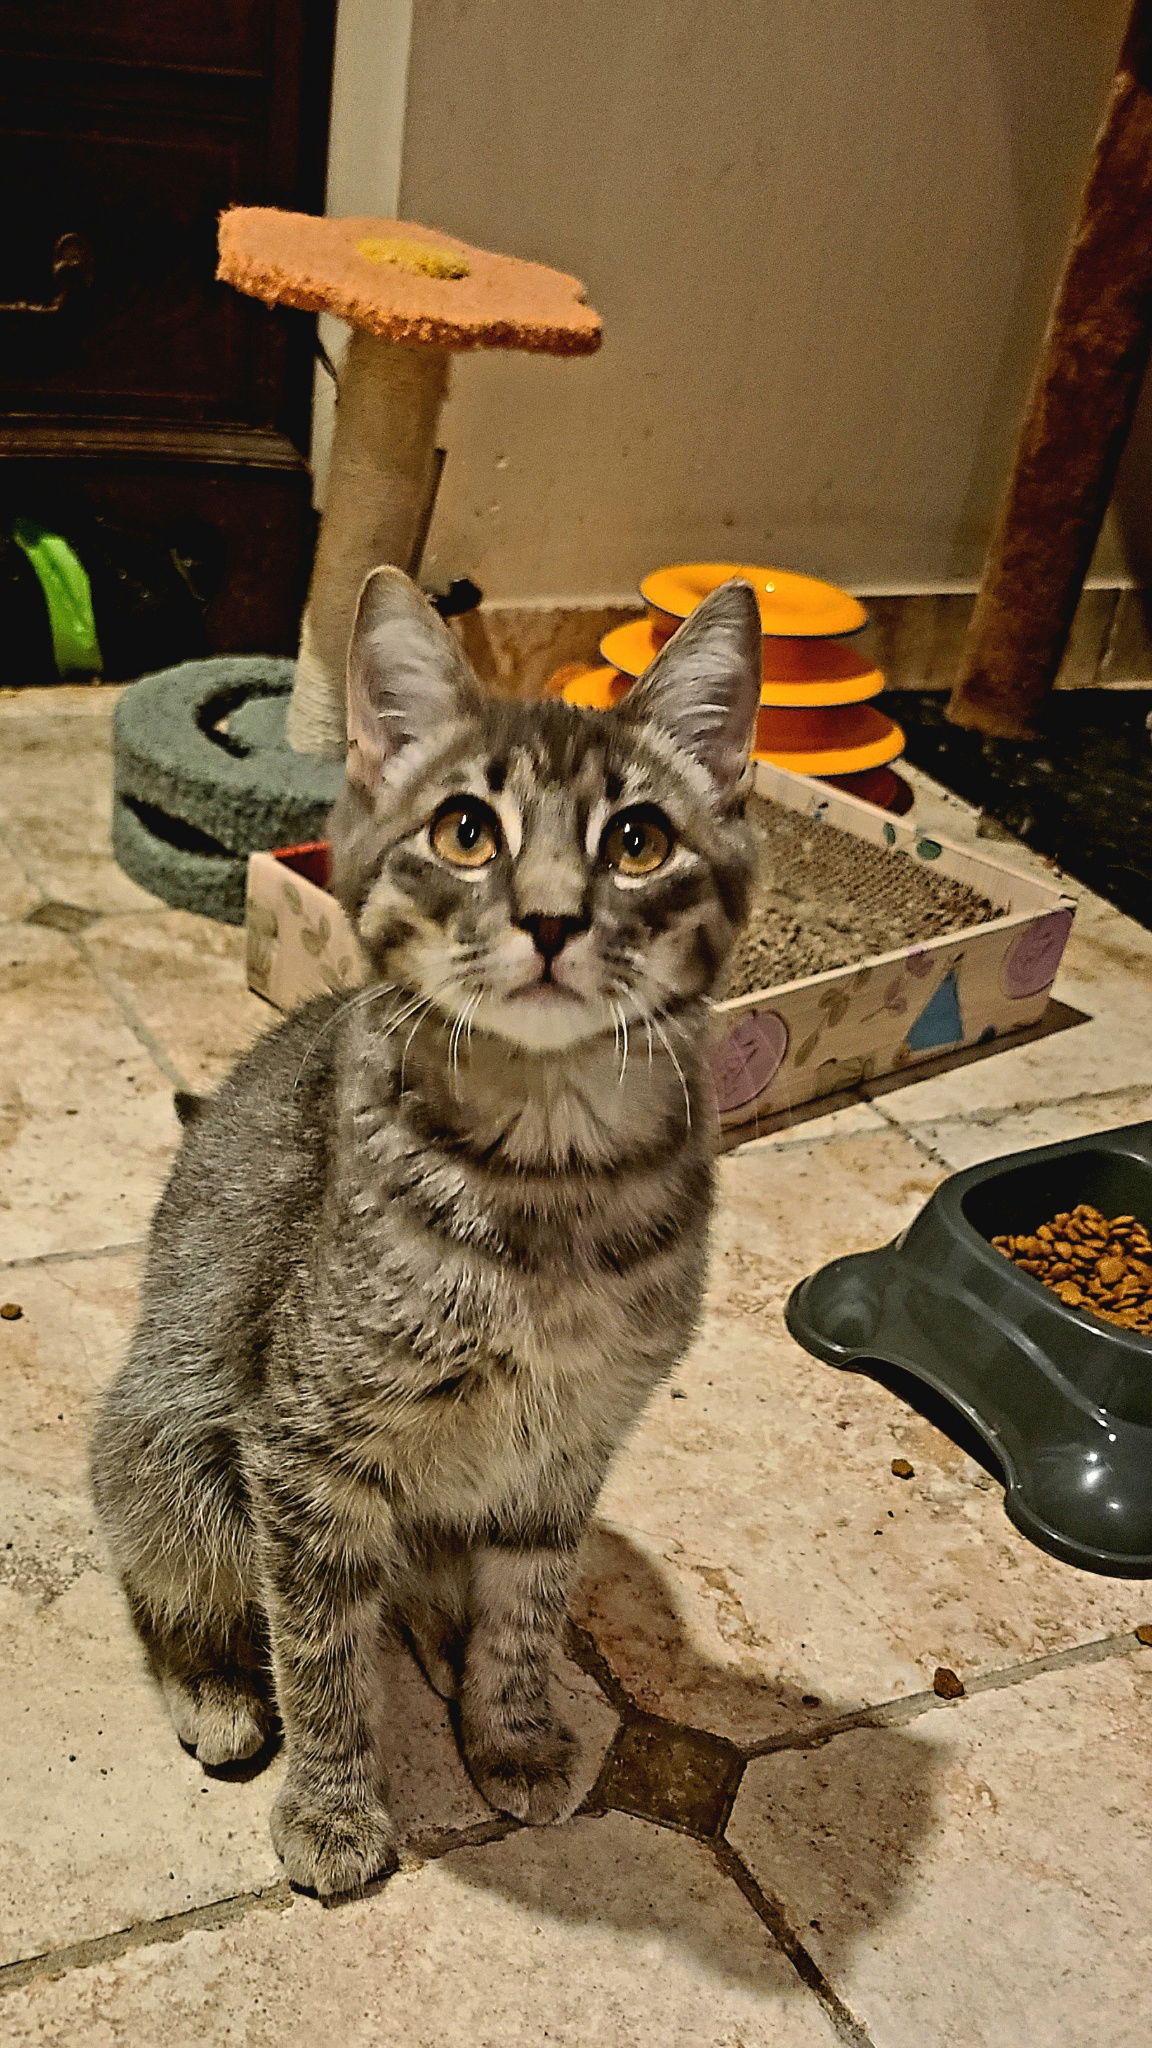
147, 391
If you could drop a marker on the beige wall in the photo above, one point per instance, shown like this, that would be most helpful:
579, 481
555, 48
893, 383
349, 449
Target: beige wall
822, 236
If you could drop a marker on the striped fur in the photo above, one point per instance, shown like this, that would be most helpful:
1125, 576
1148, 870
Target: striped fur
424, 1257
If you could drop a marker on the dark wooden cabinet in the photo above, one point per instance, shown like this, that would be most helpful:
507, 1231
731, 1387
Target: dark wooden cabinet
149, 390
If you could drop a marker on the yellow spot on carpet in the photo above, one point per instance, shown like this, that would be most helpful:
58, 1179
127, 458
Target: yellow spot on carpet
419, 257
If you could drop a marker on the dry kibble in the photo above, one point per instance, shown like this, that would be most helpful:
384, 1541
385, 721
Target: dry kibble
1091, 1262
11, 1311
946, 1685
902, 1468
1144, 1632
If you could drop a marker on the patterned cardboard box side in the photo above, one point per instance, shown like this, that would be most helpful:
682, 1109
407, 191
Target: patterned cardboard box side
782, 1046
299, 942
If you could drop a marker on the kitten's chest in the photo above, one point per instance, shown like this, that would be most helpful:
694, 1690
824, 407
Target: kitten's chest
527, 1266
484, 1372
508, 1432
502, 1315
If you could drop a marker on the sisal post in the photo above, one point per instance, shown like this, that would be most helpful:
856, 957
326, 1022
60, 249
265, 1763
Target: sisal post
1091, 367
380, 480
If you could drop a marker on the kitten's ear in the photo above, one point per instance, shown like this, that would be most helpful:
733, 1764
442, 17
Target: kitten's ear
406, 675
704, 685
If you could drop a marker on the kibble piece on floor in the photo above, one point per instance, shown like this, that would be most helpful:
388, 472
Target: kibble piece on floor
946, 1685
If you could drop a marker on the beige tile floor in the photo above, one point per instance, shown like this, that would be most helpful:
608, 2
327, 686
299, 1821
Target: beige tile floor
788, 1838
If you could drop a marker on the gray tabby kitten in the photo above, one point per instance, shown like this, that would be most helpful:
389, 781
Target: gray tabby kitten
426, 1254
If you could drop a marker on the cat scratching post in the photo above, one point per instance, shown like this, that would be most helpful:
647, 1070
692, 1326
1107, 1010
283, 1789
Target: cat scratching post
413, 297
1086, 385
380, 483
229, 756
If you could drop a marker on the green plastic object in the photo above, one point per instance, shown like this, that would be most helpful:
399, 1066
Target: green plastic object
1061, 1398
67, 595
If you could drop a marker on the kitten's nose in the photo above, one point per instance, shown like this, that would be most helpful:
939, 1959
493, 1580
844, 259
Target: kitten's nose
551, 934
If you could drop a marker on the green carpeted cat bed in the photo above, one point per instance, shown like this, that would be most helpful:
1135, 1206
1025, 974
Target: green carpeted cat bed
205, 776
226, 757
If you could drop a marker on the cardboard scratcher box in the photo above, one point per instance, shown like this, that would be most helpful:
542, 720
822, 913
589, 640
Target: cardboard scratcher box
299, 942
777, 1047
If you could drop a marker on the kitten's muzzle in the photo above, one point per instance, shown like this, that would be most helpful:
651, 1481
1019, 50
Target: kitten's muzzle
550, 935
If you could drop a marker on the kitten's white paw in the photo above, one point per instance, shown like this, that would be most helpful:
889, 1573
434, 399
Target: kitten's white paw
332, 1844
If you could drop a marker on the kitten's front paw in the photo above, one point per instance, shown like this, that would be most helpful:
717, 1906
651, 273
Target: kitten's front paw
332, 1843
530, 1779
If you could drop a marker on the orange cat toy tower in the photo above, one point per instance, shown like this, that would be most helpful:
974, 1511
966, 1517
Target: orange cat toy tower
816, 717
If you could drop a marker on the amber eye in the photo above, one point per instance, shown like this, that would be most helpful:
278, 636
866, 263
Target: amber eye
638, 841
466, 832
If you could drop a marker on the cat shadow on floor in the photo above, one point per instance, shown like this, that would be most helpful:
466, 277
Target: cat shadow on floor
832, 1830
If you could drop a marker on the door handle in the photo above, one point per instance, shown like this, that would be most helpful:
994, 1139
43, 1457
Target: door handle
73, 266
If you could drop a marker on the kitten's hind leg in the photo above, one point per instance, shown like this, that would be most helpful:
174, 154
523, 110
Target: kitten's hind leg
437, 1644
434, 1614
214, 1684
216, 1715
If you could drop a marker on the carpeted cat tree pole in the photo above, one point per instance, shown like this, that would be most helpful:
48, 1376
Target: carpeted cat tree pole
206, 771
1087, 382
412, 296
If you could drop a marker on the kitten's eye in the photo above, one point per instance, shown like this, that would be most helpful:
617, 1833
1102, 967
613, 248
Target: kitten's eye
638, 841
466, 832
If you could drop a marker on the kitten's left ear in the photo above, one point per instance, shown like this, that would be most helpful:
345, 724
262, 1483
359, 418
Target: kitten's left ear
407, 678
704, 685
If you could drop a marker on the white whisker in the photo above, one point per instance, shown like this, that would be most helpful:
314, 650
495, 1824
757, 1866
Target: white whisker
654, 1021
425, 1006
473, 1006
624, 1059
356, 1002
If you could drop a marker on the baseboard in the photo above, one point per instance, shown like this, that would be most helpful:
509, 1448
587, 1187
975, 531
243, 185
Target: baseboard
915, 637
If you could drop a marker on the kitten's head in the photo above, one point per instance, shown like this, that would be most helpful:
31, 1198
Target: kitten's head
544, 872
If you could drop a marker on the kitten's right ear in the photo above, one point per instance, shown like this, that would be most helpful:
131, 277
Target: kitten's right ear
406, 675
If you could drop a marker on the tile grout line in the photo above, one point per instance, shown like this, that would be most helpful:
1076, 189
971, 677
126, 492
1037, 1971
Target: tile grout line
218, 1913
103, 1948
988, 1119
897, 1712
99, 1251
912, 1133
140, 1031
225, 1912
145, 1038
772, 1916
